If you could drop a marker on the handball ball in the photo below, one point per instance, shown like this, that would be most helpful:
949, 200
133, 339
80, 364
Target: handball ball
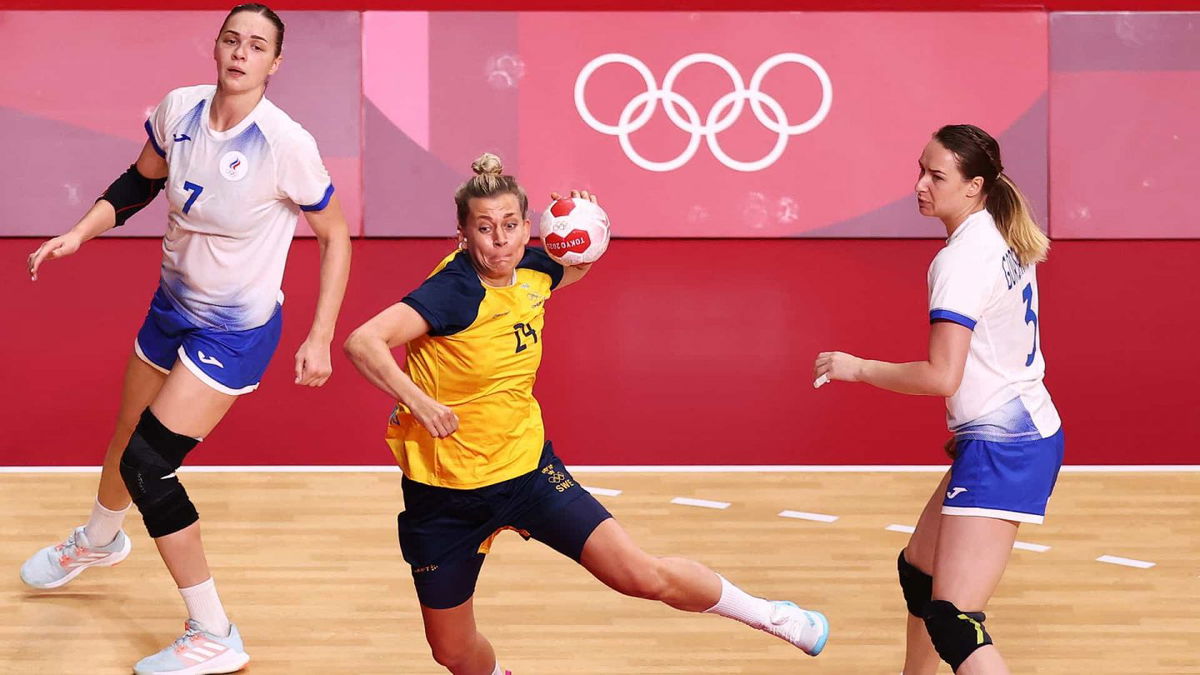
574, 231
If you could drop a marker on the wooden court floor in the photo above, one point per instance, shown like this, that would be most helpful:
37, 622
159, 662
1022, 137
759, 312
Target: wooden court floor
309, 569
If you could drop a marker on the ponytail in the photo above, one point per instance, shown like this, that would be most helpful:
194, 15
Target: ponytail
1014, 219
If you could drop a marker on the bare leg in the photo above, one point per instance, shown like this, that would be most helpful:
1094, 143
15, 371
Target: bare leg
971, 556
611, 555
142, 384
920, 658
456, 643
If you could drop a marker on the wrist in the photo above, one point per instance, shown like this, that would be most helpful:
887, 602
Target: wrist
320, 336
862, 370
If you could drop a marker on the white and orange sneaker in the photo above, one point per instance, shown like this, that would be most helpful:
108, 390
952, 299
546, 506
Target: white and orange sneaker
54, 566
197, 652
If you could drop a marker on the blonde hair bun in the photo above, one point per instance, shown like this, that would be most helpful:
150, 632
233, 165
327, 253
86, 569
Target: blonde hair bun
487, 165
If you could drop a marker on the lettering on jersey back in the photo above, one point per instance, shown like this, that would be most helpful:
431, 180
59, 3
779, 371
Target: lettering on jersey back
1013, 269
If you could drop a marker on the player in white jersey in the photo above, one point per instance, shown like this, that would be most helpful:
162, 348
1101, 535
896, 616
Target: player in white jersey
985, 357
237, 171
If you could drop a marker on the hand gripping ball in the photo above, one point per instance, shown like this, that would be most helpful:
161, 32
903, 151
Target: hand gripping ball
574, 231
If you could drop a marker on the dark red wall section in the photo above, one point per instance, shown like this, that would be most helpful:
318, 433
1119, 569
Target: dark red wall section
670, 352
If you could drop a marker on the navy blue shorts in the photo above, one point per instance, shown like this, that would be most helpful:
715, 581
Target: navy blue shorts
1011, 480
230, 361
445, 533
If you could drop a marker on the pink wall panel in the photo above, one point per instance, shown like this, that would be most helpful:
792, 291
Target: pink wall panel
828, 151
74, 99
1124, 131
891, 79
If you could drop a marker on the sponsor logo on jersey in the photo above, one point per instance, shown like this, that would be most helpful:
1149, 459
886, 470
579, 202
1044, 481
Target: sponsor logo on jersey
234, 166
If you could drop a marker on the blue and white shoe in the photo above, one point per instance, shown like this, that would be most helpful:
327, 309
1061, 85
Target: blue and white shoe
55, 565
804, 628
197, 652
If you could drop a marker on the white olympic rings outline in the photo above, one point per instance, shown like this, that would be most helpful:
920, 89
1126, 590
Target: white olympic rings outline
718, 119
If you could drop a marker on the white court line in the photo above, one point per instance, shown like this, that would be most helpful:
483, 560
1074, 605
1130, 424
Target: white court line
732, 468
603, 492
803, 515
1128, 562
906, 529
703, 503
1025, 546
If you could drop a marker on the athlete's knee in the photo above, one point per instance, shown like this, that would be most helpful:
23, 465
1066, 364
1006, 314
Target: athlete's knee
955, 634
452, 655
148, 468
917, 586
649, 581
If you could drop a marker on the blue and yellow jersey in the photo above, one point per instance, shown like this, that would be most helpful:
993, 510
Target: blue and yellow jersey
480, 358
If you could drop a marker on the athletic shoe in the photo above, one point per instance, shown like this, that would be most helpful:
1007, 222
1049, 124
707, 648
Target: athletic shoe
54, 566
804, 628
197, 652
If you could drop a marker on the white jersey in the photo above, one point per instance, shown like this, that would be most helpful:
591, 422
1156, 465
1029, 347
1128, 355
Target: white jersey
234, 197
979, 282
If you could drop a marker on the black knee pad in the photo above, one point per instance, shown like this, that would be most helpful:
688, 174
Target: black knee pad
148, 468
955, 634
917, 586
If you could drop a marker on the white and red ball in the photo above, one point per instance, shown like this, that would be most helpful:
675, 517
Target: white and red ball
574, 231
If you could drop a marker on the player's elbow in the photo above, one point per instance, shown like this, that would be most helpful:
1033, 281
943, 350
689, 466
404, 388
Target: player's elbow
946, 384
357, 346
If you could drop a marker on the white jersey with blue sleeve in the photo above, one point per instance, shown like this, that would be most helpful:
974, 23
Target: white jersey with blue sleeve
978, 281
234, 197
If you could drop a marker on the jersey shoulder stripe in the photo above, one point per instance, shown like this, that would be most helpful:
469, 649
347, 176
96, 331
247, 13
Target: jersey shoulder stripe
538, 260
450, 297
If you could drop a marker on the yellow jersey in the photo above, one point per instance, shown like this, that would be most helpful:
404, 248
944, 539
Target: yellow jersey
480, 358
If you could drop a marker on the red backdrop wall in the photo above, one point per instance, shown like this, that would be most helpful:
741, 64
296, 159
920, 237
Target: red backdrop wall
671, 352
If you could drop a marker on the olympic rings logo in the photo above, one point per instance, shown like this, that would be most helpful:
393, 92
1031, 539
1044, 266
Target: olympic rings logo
724, 113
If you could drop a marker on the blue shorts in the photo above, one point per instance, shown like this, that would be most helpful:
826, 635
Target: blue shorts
445, 533
232, 362
1008, 480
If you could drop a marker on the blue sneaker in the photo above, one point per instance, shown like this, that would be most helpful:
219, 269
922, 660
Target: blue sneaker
804, 628
197, 652
54, 566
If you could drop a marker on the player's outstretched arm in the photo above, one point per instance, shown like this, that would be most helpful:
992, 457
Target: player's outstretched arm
369, 348
940, 375
102, 217
313, 366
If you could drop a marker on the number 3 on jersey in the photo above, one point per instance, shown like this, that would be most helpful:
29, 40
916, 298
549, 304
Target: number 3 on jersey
1030, 317
195, 190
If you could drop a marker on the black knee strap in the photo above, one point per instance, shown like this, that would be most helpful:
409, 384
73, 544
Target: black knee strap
955, 634
917, 586
148, 468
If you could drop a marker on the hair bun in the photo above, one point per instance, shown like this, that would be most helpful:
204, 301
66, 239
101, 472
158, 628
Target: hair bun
487, 164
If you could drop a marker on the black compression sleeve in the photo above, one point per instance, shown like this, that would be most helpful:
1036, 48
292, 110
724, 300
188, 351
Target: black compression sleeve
132, 191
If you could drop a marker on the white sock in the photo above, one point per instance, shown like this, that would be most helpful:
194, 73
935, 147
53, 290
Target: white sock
204, 606
498, 670
104, 524
740, 605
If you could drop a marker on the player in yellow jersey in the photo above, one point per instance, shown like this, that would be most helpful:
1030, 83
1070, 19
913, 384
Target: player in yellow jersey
468, 434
